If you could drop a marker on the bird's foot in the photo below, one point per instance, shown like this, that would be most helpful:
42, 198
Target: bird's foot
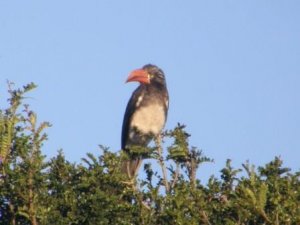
129, 183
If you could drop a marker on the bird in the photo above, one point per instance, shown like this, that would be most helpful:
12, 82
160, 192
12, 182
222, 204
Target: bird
145, 115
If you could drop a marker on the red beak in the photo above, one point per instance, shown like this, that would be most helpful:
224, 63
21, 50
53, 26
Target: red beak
139, 75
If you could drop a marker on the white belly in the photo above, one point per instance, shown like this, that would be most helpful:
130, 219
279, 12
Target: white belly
149, 119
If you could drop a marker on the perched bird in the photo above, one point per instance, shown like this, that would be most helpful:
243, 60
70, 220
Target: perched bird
145, 114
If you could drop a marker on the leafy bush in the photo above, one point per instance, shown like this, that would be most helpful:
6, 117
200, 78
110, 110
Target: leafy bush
34, 190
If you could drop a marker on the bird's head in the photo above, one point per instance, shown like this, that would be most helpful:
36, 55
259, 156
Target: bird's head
149, 74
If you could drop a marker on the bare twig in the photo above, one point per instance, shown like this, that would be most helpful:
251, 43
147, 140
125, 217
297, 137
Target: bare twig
205, 218
161, 162
176, 175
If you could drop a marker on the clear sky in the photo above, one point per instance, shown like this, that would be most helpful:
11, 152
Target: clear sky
232, 68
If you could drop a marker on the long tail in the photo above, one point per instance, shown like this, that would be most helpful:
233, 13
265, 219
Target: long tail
131, 167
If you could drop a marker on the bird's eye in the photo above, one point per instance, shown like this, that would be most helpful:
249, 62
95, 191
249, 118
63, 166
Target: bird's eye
150, 76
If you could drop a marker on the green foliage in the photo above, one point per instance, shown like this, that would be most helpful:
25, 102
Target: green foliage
22, 181
34, 190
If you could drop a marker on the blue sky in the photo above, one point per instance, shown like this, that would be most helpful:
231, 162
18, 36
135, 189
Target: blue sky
232, 69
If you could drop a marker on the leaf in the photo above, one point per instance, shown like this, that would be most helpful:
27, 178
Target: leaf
251, 195
262, 196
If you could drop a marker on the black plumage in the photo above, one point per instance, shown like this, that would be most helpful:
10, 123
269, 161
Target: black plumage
145, 114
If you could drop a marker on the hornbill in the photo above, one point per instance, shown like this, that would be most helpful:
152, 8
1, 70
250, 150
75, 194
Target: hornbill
145, 114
